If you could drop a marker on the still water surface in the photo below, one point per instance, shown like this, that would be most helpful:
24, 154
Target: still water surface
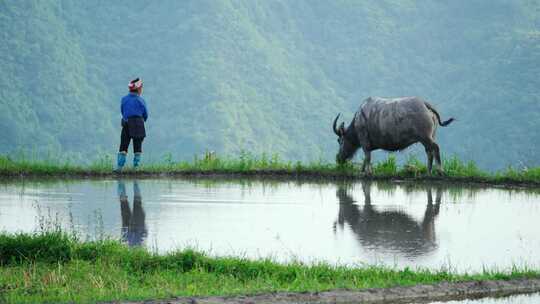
400, 225
517, 299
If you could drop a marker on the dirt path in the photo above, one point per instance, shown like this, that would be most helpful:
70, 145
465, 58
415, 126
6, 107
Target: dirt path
413, 294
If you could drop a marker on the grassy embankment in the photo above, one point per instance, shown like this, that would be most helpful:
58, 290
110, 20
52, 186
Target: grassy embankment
55, 267
247, 164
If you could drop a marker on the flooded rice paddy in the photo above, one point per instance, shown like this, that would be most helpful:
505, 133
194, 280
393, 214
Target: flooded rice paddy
418, 225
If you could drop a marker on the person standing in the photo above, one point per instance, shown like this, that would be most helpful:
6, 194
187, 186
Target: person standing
134, 115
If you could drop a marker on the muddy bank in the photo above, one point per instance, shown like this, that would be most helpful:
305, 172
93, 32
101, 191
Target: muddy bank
412, 294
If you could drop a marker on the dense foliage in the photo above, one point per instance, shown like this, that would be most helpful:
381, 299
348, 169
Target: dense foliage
267, 76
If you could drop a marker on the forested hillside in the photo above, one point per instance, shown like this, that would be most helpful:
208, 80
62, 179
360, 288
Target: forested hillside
267, 76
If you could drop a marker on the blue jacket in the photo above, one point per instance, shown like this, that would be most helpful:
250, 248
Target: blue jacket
133, 105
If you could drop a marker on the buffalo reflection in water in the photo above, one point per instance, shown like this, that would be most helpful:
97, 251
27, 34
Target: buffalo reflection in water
392, 230
133, 221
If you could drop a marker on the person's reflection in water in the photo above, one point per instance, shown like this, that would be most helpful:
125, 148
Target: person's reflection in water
392, 230
133, 222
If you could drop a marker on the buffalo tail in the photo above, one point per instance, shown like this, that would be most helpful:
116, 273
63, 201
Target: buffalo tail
442, 124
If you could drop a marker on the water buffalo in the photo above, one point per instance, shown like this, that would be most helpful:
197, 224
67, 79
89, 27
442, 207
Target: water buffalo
392, 125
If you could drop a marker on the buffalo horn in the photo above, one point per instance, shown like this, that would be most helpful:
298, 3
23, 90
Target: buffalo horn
334, 125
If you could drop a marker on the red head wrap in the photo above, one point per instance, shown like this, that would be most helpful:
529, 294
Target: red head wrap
135, 84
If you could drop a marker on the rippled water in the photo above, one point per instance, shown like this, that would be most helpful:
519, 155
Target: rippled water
401, 225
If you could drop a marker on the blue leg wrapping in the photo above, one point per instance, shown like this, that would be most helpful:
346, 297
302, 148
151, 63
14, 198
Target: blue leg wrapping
120, 161
136, 160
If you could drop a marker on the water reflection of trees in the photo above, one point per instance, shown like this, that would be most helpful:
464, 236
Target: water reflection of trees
393, 230
133, 229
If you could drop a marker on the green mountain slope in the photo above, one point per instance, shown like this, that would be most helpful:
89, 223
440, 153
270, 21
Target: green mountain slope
45, 102
267, 76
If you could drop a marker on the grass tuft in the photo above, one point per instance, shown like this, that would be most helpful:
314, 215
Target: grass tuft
386, 167
413, 167
49, 247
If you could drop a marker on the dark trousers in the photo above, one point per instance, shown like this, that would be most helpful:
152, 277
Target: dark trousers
125, 139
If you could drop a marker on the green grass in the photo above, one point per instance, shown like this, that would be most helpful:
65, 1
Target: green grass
55, 267
247, 163
244, 163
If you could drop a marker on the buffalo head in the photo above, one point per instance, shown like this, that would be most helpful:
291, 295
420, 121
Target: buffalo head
347, 147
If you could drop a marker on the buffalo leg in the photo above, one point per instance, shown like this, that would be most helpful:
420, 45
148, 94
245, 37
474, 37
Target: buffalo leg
432, 151
429, 160
437, 154
367, 162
